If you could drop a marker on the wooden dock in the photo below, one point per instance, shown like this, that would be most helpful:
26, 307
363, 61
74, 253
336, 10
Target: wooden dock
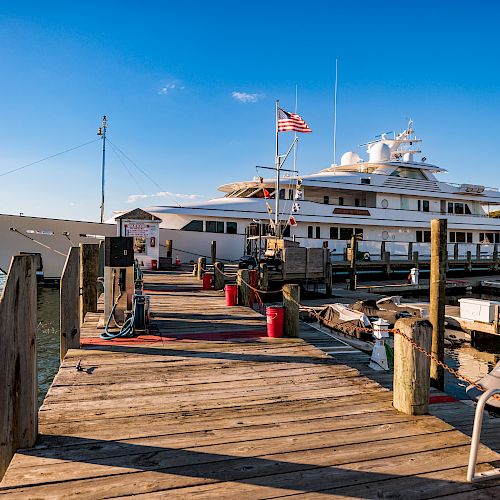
203, 407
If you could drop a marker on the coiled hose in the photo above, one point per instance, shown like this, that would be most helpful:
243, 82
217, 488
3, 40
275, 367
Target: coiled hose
126, 330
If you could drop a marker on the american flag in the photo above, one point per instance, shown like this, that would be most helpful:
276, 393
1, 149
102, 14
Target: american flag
291, 122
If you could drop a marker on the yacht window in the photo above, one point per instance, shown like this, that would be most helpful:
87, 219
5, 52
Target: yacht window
356, 202
231, 227
341, 200
497, 238
419, 205
194, 225
318, 232
450, 208
282, 194
359, 233
460, 237
467, 209
214, 226
452, 237
425, 205
365, 181
346, 233
423, 236
459, 208
486, 238
326, 200
334, 233
309, 231
469, 237
409, 173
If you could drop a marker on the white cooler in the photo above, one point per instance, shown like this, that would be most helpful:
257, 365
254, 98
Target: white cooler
478, 309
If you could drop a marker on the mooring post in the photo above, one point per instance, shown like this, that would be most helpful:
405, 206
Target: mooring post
469, 260
202, 265
387, 263
437, 297
263, 276
213, 251
352, 263
242, 278
455, 251
478, 251
415, 259
410, 250
328, 279
18, 371
89, 272
382, 250
411, 367
69, 298
291, 301
218, 276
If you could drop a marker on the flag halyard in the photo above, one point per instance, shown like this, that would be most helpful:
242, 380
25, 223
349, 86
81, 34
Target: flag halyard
291, 122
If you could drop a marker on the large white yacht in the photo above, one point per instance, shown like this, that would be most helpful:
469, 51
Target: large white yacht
390, 196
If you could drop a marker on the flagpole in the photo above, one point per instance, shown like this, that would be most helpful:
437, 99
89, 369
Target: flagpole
277, 228
335, 114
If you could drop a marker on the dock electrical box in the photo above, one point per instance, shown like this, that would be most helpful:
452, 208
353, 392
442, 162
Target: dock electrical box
119, 251
478, 310
118, 277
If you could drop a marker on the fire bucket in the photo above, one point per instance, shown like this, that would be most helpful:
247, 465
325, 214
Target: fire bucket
207, 281
231, 295
274, 317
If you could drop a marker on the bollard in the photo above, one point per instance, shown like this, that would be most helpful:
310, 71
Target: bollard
213, 251
243, 277
218, 276
263, 277
291, 300
412, 367
202, 266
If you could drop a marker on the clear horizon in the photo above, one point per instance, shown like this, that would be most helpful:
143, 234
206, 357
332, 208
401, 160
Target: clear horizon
189, 93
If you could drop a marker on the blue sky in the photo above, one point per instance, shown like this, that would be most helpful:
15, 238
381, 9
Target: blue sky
166, 74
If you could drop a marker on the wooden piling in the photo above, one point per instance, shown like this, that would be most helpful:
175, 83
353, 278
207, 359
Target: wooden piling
263, 276
202, 265
455, 251
352, 263
437, 297
291, 300
243, 277
478, 251
495, 257
218, 276
18, 372
411, 367
387, 263
213, 251
410, 250
89, 272
69, 299
469, 261
415, 259
382, 250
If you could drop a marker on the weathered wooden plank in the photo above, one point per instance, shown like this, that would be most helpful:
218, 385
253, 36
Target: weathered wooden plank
18, 376
89, 272
69, 299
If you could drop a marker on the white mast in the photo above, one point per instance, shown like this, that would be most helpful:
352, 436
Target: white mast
335, 115
277, 228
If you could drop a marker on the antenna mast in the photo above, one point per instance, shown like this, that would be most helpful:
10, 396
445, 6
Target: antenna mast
335, 114
101, 131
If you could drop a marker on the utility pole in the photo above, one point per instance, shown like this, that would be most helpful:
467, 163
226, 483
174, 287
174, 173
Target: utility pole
101, 131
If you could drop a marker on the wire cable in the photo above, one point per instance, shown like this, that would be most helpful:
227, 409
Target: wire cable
115, 151
48, 158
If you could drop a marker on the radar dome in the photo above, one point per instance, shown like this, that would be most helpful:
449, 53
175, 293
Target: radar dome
407, 157
379, 152
350, 158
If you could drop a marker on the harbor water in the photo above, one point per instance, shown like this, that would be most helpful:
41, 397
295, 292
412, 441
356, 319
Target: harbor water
471, 362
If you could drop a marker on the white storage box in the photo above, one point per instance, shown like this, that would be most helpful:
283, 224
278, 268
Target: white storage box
478, 310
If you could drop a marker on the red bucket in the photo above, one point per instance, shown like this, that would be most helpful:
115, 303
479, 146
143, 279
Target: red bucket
231, 295
154, 264
207, 281
274, 318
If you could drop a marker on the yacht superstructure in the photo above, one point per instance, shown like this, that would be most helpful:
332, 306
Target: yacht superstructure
389, 197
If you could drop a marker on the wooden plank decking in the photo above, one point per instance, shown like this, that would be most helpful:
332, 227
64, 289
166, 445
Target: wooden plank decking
170, 417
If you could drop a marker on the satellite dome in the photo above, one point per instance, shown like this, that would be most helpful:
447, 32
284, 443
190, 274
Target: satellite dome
408, 157
350, 158
379, 152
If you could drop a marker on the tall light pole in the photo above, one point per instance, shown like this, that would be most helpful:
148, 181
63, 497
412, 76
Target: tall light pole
101, 131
